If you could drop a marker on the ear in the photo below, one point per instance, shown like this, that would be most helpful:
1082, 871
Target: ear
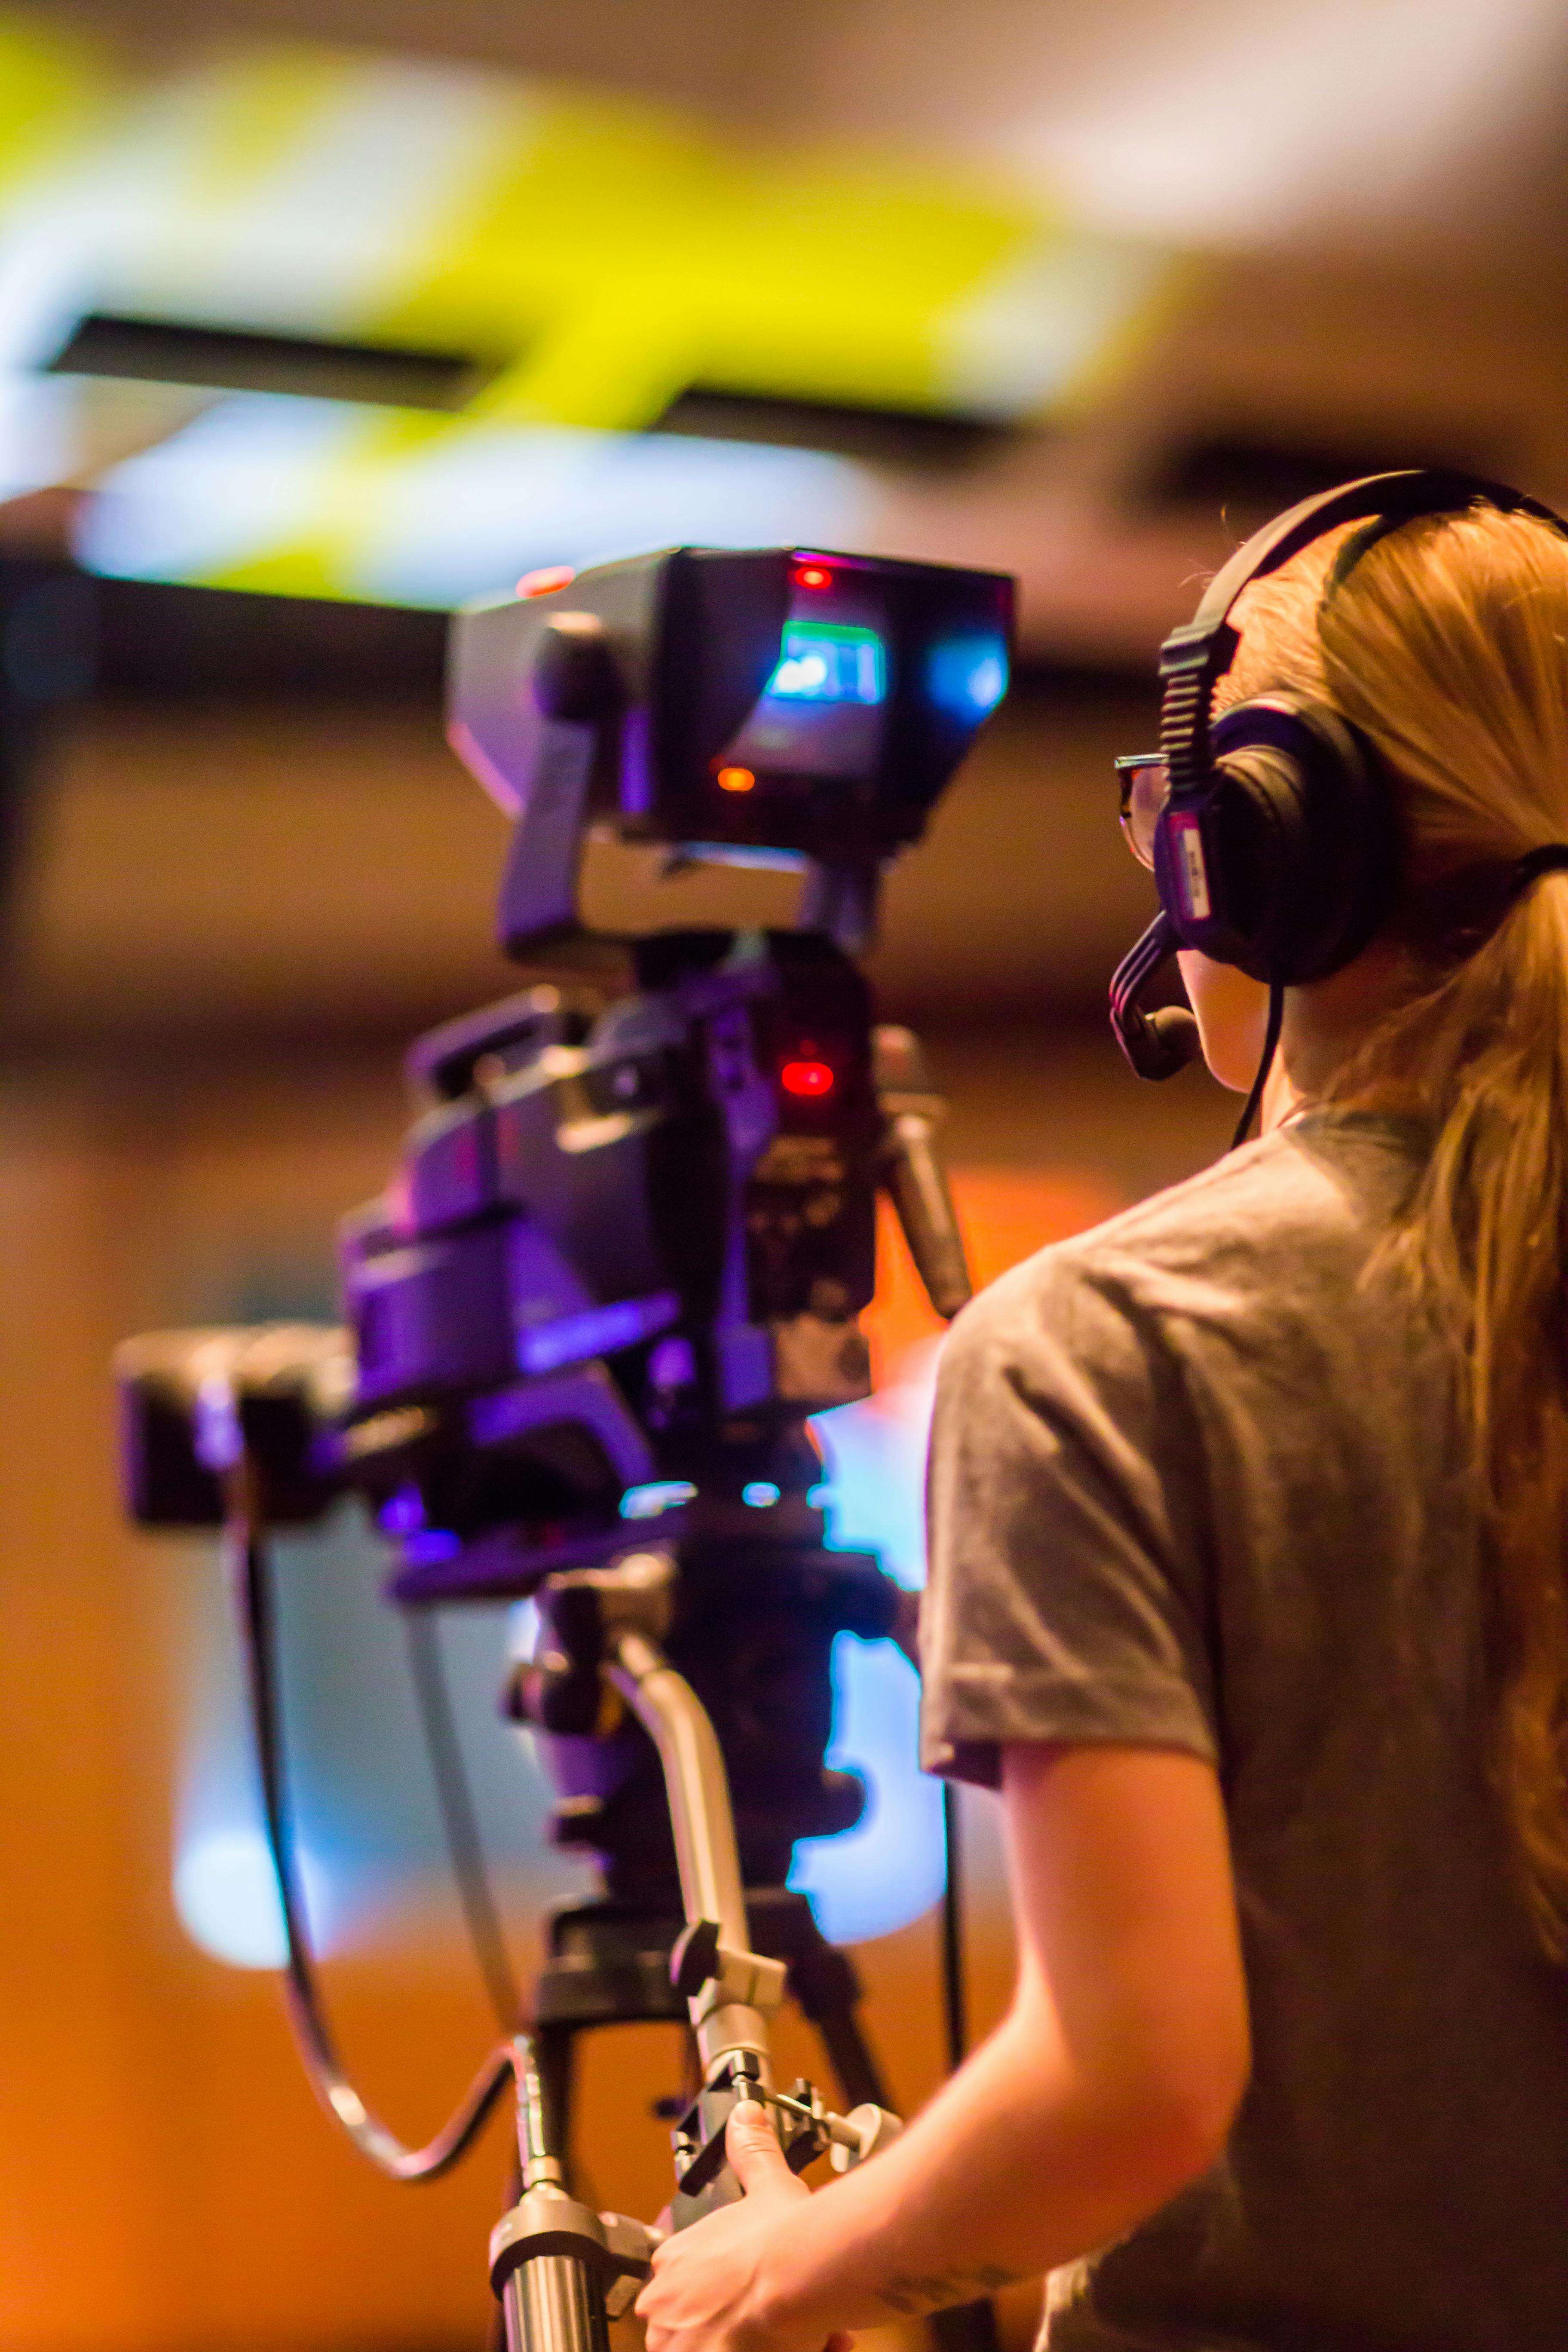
1232, 1012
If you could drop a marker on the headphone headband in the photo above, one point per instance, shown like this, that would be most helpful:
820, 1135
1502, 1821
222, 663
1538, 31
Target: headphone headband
1195, 656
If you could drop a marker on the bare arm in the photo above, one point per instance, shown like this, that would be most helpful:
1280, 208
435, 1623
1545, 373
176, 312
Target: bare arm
1111, 2083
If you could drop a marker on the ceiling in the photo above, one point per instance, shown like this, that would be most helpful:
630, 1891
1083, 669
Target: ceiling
1358, 206
1359, 124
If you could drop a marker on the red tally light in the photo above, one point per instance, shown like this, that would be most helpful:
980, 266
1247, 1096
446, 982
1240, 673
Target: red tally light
810, 1079
813, 575
546, 582
735, 780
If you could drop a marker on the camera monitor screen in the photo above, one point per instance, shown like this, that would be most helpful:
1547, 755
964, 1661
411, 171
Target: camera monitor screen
771, 699
824, 711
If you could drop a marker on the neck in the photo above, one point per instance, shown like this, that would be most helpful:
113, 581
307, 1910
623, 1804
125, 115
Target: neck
1323, 1024
1283, 1096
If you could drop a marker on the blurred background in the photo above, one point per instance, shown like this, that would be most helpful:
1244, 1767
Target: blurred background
317, 317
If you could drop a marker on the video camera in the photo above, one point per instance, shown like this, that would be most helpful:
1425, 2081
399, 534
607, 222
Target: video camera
622, 1263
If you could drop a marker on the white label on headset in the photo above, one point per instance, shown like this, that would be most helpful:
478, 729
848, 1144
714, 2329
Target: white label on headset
1191, 873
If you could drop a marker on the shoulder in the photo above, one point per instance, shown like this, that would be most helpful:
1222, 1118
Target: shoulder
1286, 1224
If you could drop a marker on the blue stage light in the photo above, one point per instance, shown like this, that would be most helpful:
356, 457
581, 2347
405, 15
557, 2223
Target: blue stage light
888, 1870
236, 498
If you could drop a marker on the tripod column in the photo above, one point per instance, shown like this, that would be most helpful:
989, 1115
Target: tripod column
552, 2305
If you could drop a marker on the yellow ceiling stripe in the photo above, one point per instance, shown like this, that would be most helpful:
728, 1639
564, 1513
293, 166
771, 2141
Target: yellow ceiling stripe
814, 276
53, 91
598, 254
600, 191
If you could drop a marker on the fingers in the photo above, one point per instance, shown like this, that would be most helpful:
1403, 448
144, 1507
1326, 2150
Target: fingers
751, 2146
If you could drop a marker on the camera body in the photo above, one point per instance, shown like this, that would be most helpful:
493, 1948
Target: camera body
624, 1254
627, 1249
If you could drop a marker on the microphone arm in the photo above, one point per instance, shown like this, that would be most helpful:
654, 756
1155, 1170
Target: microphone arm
1157, 1043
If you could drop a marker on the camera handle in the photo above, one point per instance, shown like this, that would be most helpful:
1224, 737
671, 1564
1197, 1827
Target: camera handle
911, 1167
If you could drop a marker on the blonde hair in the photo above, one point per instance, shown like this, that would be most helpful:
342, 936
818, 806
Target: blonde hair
1446, 644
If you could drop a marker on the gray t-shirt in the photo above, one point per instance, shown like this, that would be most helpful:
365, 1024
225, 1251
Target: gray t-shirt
1198, 1482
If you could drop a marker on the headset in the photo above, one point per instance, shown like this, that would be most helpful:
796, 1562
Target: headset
1276, 848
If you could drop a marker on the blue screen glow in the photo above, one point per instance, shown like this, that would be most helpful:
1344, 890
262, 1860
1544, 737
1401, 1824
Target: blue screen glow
967, 676
888, 1869
226, 1893
660, 1494
823, 661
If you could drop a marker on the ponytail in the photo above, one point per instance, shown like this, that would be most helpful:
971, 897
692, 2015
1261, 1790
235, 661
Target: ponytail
1447, 647
1485, 1243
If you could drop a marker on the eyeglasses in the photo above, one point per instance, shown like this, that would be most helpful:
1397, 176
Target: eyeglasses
1144, 782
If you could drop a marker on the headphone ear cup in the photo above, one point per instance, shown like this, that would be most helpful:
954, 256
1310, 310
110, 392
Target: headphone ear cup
1301, 838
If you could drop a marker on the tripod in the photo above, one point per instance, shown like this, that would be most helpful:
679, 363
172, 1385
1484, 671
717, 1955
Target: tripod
602, 1968
676, 1936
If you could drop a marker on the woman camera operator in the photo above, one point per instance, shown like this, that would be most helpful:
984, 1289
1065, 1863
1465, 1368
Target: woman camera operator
1249, 1592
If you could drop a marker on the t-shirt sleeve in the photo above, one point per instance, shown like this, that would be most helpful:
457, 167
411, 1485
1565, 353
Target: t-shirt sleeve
1067, 1598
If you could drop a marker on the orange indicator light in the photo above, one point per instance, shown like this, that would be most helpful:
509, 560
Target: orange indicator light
813, 575
735, 780
546, 582
811, 1079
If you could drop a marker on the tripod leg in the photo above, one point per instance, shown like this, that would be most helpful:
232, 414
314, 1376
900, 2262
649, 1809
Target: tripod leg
823, 1981
498, 2341
826, 1991
823, 1984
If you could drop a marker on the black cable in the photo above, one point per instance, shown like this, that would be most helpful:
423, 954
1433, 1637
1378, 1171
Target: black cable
248, 1571
1266, 1062
465, 1847
954, 2007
